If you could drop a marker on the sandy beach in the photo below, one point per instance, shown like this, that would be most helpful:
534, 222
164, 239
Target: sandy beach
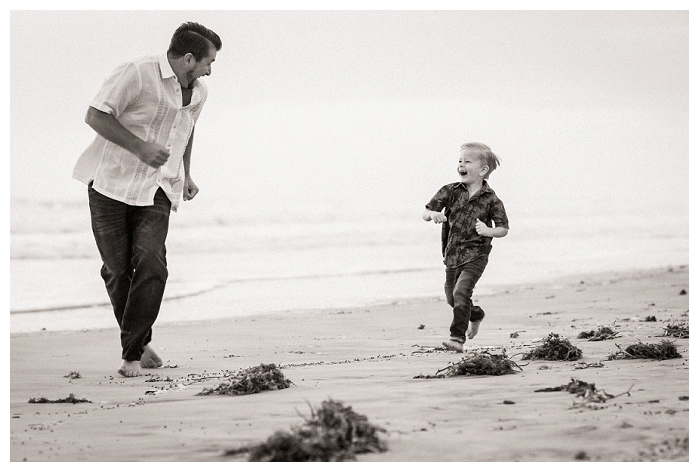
367, 358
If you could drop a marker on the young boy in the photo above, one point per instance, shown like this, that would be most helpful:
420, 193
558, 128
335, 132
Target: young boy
470, 209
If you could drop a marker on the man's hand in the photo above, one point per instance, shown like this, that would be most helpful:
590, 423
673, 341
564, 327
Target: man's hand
190, 189
152, 154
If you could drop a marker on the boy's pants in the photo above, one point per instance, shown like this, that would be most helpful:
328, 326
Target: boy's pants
458, 288
131, 242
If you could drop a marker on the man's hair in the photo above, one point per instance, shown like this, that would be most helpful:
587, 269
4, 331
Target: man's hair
193, 38
484, 153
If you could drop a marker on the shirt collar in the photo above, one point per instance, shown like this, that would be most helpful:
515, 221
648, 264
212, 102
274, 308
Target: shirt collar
485, 188
165, 68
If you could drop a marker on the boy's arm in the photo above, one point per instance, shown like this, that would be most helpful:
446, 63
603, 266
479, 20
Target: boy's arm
436, 216
484, 230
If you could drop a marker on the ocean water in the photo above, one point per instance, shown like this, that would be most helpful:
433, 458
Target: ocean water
226, 264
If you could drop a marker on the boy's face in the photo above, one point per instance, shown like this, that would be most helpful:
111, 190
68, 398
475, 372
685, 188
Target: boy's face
470, 168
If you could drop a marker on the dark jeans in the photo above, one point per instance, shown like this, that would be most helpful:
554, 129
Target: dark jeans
131, 242
458, 288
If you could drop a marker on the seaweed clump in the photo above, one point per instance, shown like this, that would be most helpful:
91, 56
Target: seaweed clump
251, 380
605, 332
679, 330
554, 348
334, 433
661, 351
477, 363
69, 399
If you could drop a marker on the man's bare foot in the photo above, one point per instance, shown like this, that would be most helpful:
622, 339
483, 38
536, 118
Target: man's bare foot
454, 345
130, 368
472, 330
149, 359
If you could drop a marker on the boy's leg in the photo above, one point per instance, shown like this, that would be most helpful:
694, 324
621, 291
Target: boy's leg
477, 315
469, 274
452, 274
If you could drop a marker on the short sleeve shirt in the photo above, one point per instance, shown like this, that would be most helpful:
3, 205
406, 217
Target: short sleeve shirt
460, 241
146, 97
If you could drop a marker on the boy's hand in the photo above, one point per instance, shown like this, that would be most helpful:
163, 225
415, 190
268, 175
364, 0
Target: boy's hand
482, 229
438, 217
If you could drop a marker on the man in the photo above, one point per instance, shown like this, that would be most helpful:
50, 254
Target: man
136, 169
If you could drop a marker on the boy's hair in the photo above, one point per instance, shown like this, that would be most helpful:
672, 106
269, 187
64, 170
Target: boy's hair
195, 38
484, 153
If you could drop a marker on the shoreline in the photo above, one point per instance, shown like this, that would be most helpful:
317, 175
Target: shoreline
100, 311
368, 357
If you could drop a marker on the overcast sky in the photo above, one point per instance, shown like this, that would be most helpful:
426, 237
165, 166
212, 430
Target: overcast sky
368, 108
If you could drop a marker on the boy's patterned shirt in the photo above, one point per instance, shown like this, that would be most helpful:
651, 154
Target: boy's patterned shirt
460, 241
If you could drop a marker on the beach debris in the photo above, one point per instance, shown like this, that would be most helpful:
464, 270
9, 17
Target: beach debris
651, 318
73, 375
661, 351
683, 292
684, 398
514, 335
333, 433
477, 363
554, 348
677, 330
590, 395
586, 365
602, 333
69, 399
422, 326
508, 402
251, 380
576, 386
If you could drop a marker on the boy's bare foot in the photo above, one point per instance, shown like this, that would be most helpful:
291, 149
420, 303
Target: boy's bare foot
130, 369
472, 330
149, 359
453, 345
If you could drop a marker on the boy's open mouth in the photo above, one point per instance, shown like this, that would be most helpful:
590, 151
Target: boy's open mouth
462, 173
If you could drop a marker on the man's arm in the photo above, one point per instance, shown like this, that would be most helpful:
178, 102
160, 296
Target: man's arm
190, 189
107, 126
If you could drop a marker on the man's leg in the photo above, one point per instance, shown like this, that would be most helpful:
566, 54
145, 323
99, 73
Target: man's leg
111, 230
110, 226
149, 227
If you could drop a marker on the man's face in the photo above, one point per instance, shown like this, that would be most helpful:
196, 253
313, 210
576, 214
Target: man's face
200, 68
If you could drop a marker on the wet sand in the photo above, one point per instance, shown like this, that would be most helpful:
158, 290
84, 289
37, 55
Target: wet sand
367, 357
